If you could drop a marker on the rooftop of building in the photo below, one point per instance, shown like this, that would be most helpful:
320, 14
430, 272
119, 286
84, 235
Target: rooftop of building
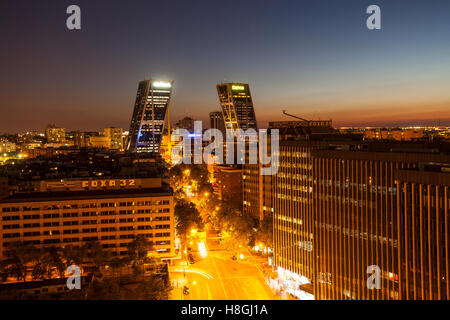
431, 173
356, 143
316, 135
302, 123
83, 164
382, 155
87, 195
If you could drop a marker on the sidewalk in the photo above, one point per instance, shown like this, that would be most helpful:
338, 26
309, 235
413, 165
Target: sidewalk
261, 262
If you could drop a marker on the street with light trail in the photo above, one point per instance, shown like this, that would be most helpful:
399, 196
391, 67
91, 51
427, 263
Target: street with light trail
215, 276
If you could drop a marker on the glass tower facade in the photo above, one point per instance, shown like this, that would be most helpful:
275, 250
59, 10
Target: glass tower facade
147, 122
237, 106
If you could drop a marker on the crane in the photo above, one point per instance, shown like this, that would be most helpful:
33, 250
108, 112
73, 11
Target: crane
290, 115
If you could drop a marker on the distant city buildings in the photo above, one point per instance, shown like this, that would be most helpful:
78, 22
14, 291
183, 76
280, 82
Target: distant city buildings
147, 122
33, 145
398, 135
49, 152
55, 134
80, 139
7, 146
343, 200
71, 162
115, 137
403, 133
185, 123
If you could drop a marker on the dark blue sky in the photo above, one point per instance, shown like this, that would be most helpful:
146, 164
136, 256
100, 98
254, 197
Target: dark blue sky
315, 58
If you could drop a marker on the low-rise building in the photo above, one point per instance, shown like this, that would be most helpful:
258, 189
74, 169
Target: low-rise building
73, 211
100, 142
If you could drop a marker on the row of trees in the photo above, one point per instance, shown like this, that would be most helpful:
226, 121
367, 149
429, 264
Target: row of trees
242, 230
187, 218
151, 288
204, 206
187, 213
24, 259
43, 263
264, 234
182, 175
238, 229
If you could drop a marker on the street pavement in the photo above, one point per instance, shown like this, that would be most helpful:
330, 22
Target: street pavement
218, 277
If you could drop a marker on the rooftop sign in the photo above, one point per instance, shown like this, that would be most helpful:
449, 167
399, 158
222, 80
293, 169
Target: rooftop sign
162, 84
237, 87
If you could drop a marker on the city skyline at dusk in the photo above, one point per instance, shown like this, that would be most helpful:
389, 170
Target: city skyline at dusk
227, 158
316, 60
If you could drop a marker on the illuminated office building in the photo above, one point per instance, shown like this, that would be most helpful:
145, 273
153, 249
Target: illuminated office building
381, 208
292, 202
147, 123
257, 188
344, 207
423, 227
342, 204
237, 106
74, 211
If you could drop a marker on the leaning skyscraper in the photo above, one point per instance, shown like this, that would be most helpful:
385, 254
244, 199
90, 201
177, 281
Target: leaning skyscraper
237, 106
147, 122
